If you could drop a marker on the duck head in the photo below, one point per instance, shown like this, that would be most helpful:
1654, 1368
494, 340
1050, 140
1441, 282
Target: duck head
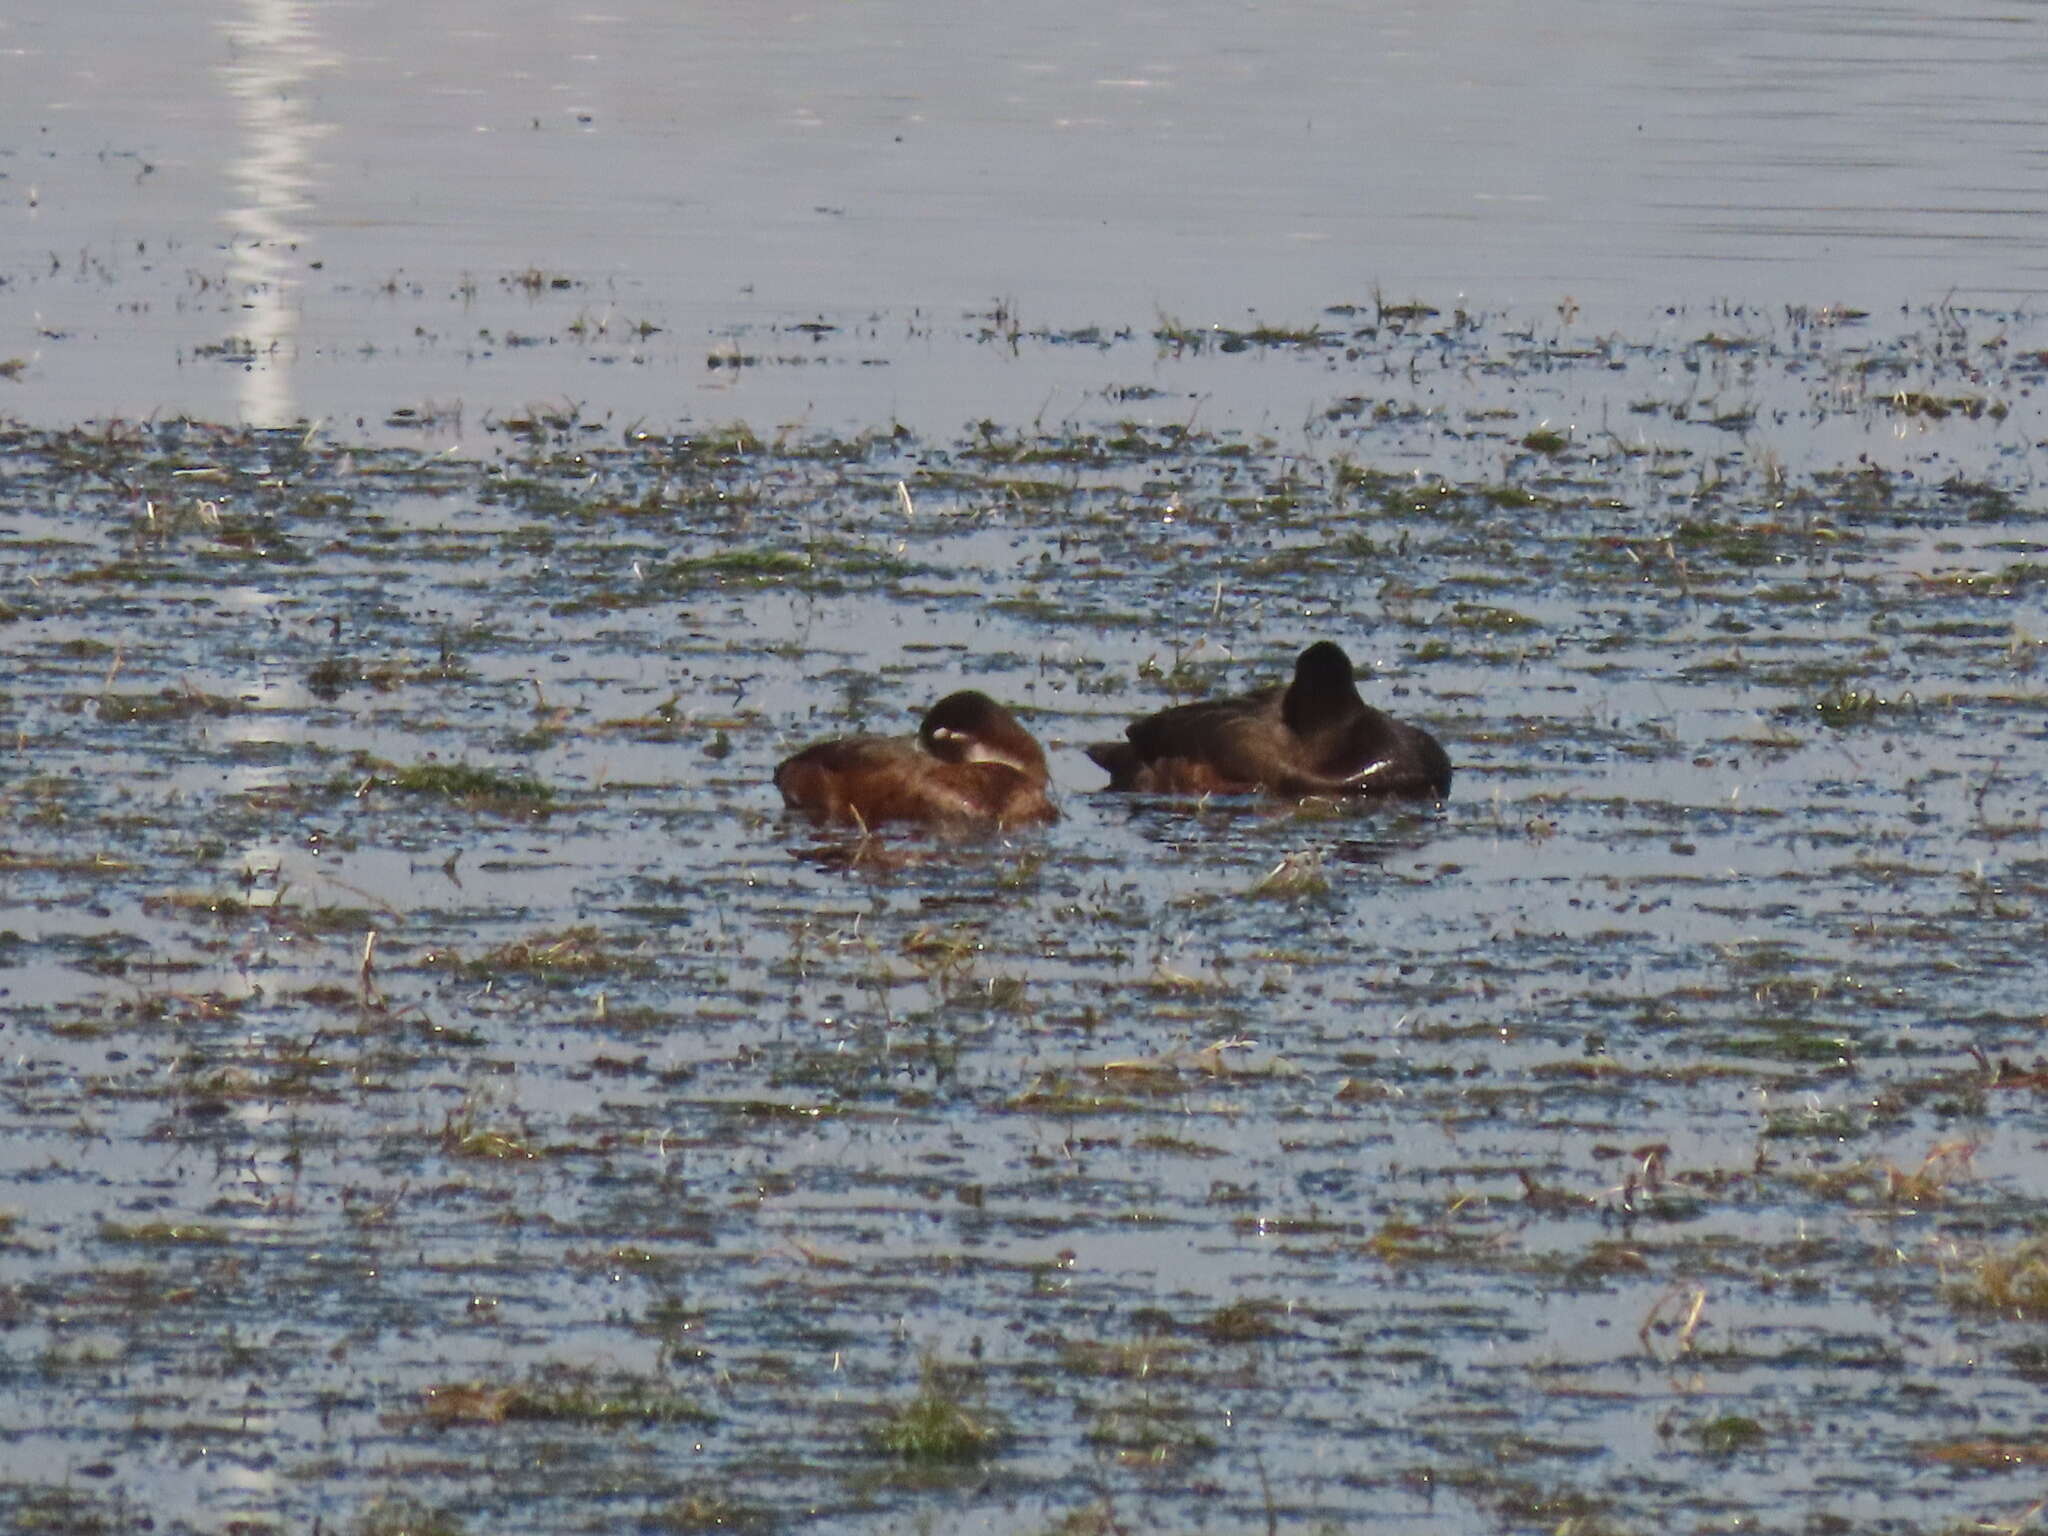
1323, 698
971, 727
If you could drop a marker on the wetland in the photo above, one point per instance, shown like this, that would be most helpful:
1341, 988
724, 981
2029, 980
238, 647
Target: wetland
449, 455
446, 1093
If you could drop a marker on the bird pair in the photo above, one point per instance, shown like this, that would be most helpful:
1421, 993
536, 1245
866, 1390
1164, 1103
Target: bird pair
971, 765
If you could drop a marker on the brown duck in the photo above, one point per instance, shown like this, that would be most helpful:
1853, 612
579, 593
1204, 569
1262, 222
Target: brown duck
970, 766
1311, 736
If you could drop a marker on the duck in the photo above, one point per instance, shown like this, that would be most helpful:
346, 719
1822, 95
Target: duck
971, 766
1312, 736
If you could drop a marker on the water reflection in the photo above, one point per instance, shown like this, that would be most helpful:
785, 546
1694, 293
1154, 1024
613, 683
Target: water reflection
274, 54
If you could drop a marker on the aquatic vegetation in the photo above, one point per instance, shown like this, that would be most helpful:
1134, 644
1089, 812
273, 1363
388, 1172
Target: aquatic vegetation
1295, 877
571, 954
937, 1425
1845, 706
167, 705
2010, 1280
742, 567
441, 781
1151, 1430
161, 1234
399, 1515
561, 1397
411, 984
1729, 1433
708, 1510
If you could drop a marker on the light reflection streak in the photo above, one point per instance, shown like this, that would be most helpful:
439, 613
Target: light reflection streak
275, 54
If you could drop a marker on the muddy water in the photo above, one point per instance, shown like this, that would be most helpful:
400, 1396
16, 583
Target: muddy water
570, 1142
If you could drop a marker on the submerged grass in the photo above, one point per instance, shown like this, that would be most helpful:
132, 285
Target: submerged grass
442, 781
1844, 706
564, 1397
2011, 1281
400, 1515
571, 954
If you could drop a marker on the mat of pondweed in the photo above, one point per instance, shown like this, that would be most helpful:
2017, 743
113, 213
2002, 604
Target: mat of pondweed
443, 1092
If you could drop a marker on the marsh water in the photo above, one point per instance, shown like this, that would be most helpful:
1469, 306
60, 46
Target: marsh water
449, 458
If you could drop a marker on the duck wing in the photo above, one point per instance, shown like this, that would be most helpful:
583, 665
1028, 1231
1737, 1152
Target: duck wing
1214, 746
870, 780
1389, 759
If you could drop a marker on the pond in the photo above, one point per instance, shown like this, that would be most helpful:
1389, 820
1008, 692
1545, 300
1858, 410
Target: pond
445, 1092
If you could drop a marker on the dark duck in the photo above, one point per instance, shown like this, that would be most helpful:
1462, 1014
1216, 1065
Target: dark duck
1311, 736
970, 766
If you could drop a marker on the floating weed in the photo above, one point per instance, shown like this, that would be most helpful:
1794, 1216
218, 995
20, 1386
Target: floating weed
562, 1396
1138, 1360
1843, 706
442, 781
464, 1134
163, 1234
464, 1139
2011, 1282
1177, 1146
1525, 1504
1347, 477
1512, 498
1879, 1182
310, 921
399, 1515
335, 675
1814, 1123
1278, 336
1547, 440
1928, 1184
1297, 877
708, 1511
1000, 994
1988, 1456
936, 1426
169, 704
538, 280
1151, 1430
569, 954
1171, 333
1913, 402
33, 1509
1481, 618
944, 953
730, 568
1098, 1519
1402, 312
1023, 874
1727, 1434
1242, 1322
1403, 1242
1059, 1094
215, 904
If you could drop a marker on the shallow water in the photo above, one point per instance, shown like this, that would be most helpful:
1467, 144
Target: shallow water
266, 210
1620, 1142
